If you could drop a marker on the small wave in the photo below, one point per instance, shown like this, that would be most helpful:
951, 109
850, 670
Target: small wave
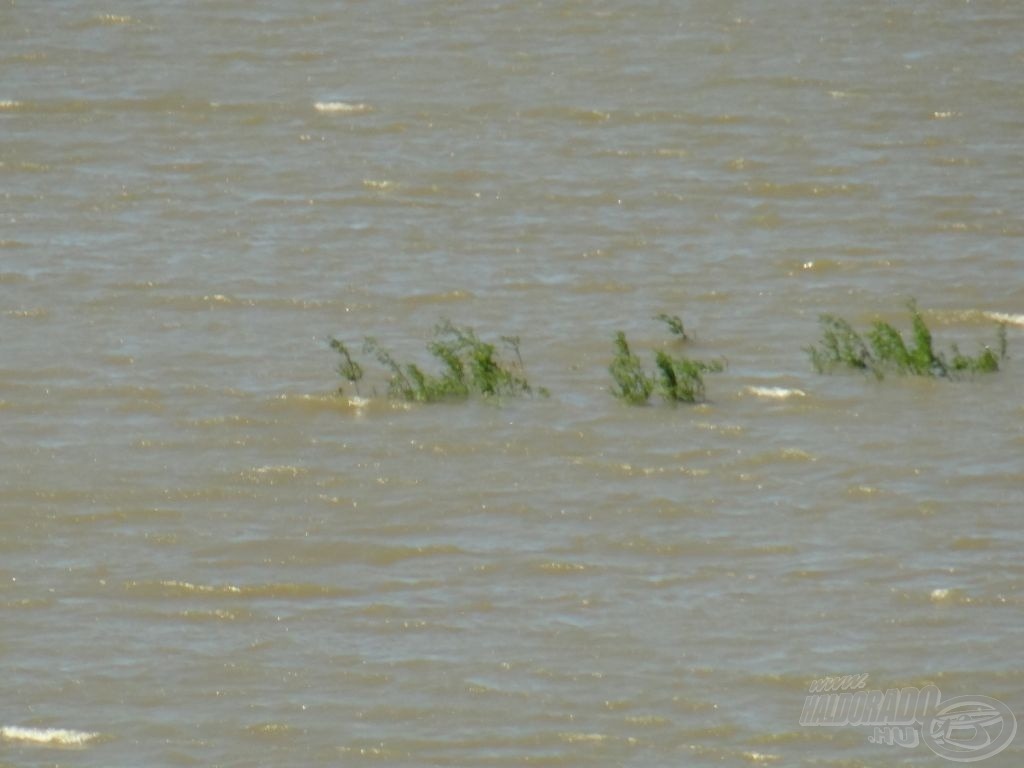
35, 312
58, 736
219, 298
776, 393
171, 102
103, 20
761, 757
186, 587
342, 107
1004, 317
218, 614
441, 297
172, 588
194, 302
560, 567
575, 737
274, 475
271, 731
805, 189
331, 402
574, 114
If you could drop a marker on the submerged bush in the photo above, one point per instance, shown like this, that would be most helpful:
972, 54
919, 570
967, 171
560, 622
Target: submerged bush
675, 325
349, 369
676, 379
681, 380
631, 382
468, 366
883, 350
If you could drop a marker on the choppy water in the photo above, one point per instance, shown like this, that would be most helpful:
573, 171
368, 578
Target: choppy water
207, 559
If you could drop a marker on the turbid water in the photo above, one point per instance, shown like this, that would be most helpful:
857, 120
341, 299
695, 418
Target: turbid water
207, 558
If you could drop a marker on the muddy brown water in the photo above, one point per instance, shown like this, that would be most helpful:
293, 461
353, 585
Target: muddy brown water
207, 558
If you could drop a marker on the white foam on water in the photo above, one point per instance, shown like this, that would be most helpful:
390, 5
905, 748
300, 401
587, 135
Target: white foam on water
776, 393
342, 107
57, 736
9, 104
1003, 317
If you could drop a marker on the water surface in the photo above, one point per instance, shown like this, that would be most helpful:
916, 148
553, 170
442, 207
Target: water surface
209, 559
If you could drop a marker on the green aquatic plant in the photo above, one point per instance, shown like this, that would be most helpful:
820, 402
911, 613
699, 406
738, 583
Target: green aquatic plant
488, 375
987, 361
632, 383
883, 350
840, 345
681, 380
400, 384
676, 379
349, 369
451, 383
675, 325
468, 366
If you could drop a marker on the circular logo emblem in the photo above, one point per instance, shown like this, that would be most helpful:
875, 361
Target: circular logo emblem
969, 728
